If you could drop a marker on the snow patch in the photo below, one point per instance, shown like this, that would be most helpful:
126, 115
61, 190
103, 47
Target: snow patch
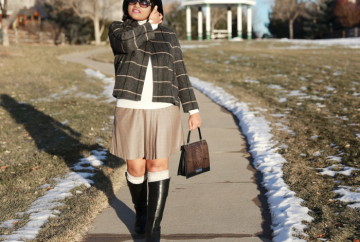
108, 81
251, 81
349, 195
343, 42
335, 169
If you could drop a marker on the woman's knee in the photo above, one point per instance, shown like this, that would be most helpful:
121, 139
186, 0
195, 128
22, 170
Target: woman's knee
157, 165
136, 167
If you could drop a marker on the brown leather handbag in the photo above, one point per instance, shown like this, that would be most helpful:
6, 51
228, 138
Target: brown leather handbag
194, 158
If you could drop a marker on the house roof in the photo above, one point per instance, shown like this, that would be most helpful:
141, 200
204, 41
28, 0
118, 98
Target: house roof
30, 11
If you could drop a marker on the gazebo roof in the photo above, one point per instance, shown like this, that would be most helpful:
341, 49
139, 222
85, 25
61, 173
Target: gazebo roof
217, 2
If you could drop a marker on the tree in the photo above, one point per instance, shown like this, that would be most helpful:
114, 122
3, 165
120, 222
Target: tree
288, 11
6, 20
96, 10
63, 22
348, 12
319, 20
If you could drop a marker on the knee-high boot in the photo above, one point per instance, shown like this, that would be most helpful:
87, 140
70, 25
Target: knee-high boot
158, 192
139, 199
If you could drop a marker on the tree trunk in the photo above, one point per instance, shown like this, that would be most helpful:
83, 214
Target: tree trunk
5, 33
291, 29
97, 30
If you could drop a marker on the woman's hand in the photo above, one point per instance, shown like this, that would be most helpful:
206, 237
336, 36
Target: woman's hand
155, 16
194, 121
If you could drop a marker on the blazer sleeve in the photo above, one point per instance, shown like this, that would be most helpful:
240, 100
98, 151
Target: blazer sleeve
125, 38
186, 92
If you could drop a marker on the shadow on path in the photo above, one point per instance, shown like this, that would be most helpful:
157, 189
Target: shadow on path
58, 139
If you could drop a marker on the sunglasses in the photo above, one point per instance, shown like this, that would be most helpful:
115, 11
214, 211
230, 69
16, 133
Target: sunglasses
142, 3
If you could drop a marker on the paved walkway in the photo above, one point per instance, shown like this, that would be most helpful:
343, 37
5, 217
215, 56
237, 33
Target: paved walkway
225, 204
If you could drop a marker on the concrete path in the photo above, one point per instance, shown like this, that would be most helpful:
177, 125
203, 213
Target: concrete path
225, 204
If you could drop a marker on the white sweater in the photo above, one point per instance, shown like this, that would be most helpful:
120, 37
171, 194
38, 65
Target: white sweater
147, 92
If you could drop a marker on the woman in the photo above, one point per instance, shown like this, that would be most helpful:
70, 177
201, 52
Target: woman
151, 81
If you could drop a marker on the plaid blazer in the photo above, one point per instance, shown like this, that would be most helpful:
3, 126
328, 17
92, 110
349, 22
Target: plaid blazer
133, 45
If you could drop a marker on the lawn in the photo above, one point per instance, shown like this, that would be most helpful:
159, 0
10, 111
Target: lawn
51, 115
310, 94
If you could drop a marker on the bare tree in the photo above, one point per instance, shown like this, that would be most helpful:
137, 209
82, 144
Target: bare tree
217, 14
6, 21
348, 13
288, 10
97, 11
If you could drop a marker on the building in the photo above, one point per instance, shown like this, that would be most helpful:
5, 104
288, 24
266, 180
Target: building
208, 4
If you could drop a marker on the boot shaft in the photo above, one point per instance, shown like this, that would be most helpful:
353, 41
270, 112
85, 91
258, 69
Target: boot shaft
158, 192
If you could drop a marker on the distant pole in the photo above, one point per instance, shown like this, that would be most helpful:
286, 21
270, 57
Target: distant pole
229, 23
200, 24
188, 23
249, 22
208, 22
239, 21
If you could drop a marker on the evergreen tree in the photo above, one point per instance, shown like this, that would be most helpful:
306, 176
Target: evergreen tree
319, 21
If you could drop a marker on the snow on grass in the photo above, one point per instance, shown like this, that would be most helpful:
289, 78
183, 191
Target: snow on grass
273, 86
286, 210
349, 195
283, 127
56, 96
43, 208
251, 81
335, 169
343, 42
108, 81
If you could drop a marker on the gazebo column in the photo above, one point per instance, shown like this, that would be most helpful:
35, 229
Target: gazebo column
239, 21
188, 23
208, 22
200, 23
249, 22
229, 22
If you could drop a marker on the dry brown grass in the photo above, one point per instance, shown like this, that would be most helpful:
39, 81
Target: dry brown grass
46, 124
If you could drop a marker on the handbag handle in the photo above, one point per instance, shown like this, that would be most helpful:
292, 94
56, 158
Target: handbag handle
188, 138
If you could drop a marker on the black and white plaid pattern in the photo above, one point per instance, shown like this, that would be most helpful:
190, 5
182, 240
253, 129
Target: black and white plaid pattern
133, 45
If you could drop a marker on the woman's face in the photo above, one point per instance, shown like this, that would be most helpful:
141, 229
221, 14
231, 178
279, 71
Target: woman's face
138, 13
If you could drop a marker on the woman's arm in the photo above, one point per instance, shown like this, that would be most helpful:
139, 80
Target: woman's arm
124, 38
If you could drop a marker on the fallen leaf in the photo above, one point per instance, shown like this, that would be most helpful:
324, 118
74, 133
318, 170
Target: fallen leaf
3, 167
110, 169
48, 188
35, 168
320, 236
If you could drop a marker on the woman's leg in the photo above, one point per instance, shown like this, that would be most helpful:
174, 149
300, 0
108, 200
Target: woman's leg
136, 181
158, 183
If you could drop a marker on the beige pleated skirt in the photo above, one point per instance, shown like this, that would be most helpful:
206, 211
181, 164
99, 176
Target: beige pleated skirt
146, 133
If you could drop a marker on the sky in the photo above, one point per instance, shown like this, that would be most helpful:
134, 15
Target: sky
261, 12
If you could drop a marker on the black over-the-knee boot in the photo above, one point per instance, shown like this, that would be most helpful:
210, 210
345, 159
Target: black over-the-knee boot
158, 192
139, 198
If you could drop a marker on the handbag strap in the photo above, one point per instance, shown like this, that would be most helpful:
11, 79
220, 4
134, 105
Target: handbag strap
188, 138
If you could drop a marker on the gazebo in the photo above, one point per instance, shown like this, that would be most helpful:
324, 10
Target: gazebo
218, 3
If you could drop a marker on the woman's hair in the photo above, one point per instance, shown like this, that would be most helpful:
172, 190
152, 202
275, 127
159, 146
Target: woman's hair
153, 4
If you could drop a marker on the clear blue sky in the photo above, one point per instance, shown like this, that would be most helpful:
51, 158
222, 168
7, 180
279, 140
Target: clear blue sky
262, 9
